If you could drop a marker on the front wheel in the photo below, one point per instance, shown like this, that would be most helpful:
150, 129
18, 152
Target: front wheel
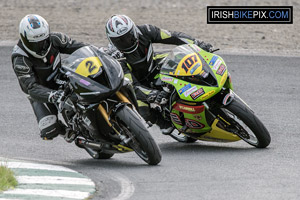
134, 127
246, 125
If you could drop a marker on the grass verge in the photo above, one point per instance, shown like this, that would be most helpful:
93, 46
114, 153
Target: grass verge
7, 179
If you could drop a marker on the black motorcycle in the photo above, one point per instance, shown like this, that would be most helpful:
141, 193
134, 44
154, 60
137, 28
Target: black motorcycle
100, 107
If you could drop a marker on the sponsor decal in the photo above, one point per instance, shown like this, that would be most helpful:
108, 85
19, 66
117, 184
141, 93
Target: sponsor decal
190, 91
223, 80
217, 64
197, 94
195, 67
165, 78
213, 60
207, 94
175, 81
185, 88
60, 82
221, 70
122, 30
193, 124
175, 118
188, 109
204, 74
85, 82
22, 69
47, 121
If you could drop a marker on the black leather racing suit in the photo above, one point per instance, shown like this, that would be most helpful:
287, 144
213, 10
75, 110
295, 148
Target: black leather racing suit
139, 66
33, 75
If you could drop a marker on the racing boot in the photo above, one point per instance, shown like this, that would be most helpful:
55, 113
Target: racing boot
50, 127
165, 126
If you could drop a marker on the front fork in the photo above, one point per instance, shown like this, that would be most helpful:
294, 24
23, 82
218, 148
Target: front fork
123, 99
213, 107
123, 102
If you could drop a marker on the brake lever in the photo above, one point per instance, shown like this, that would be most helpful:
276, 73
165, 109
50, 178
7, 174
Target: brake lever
214, 50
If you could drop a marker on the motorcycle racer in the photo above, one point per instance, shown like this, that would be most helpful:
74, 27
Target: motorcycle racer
35, 60
135, 44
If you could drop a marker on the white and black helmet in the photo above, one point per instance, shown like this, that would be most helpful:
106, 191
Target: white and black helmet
122, 33
34, 33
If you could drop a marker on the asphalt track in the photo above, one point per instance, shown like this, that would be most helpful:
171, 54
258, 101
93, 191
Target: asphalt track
270, 85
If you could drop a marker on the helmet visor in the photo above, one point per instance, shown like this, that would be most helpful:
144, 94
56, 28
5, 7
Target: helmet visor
40, 48
126, 42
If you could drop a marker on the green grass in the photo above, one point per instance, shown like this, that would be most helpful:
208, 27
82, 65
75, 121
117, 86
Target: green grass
7, 179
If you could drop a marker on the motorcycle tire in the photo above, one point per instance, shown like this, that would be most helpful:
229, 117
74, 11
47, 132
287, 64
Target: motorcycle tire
142, 142
250, 128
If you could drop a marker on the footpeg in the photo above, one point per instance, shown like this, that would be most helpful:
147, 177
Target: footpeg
149, 124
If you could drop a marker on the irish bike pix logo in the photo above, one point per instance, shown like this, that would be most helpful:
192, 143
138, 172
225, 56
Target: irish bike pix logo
249, 14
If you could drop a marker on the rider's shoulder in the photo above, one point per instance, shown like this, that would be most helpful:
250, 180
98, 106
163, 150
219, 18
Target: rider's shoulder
58, 38
147, 28
19, 52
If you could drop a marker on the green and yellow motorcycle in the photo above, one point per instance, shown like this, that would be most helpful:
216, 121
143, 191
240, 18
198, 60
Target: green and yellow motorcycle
202, 104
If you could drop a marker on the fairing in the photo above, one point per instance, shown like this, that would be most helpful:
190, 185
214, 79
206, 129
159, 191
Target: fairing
93, 74
197, 76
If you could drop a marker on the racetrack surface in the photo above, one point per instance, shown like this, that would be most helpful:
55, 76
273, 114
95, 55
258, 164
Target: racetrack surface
270, 85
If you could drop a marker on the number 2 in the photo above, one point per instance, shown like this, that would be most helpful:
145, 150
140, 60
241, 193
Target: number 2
90, 65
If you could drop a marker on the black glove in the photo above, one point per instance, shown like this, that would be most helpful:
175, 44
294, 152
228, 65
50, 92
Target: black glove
157, 98
161, 98
152, 96
205, 46
114, 52
56, 96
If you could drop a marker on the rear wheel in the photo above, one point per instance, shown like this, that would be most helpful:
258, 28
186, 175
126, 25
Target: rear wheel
134, 127
246, 125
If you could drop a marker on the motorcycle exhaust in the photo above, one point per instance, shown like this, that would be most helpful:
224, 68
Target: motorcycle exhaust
92, 145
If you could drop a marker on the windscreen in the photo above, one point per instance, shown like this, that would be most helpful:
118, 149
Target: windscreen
84, 61
184, 62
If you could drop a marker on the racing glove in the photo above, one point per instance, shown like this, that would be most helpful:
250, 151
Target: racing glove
55, 97
161, 98
156, 99
205, 46
113, 52
152, 96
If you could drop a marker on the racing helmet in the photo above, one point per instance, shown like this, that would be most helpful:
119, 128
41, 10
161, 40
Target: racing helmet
122, 33
34, 34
